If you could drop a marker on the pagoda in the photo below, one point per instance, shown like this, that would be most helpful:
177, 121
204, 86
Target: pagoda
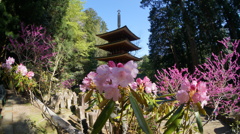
119, 45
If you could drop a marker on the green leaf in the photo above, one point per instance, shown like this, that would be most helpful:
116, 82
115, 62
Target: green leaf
200, 109
166, 95
176, 114
88, 95
172, 127
199, 122
103, 103
139, 98
103, 117
163, 118
139, 115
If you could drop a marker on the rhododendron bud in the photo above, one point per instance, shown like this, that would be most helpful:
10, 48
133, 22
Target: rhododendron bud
22, 69
182, 96
30, 74
10, 61
120, 65
193, 85
139, 81
111, 64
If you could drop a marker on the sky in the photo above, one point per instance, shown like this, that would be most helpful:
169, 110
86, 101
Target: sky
132, 16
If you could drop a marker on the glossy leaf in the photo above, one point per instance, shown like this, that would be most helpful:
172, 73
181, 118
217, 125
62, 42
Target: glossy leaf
176, 114
138, 113
173, 126
103, 103
139, 99
199, 122
103, 117
200, 109
166, 116
88, 95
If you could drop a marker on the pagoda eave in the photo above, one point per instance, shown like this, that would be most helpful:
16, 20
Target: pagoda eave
123, 58
120, 33
124, 44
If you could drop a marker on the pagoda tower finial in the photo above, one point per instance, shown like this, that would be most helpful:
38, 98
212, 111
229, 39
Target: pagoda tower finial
119, 19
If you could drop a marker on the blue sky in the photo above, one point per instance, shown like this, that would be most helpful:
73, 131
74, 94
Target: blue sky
132, 15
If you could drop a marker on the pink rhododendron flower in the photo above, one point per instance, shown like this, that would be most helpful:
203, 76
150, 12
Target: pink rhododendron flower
185, 85
112, 92
148, 87
87, 81
201, 86
139, 81
83, 88
133, 86
131, 68
197, 91
22, 69
154, 88
182, 96
4, 65
30, 74
91, 75
121, 77
10, 61
109, 77
193, 85
146, 79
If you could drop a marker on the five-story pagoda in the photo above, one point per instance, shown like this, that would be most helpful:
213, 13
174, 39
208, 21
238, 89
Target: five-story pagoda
119, 45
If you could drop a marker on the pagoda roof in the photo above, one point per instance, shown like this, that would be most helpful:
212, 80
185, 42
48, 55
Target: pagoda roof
120, 33
123, 58
119, 45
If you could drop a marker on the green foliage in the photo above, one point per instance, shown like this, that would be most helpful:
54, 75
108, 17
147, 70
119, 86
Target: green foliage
146, 68
185, 32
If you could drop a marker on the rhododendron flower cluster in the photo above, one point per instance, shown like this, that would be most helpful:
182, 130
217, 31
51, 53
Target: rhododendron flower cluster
109, 77
145, 85
8, 63
20, 68
194, 91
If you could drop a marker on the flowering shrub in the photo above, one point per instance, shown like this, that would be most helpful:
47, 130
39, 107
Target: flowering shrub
33, 46
17, 76
113, 84
223, 79
220, 75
